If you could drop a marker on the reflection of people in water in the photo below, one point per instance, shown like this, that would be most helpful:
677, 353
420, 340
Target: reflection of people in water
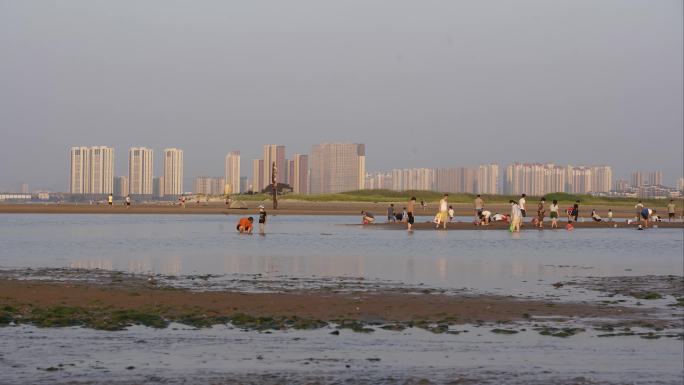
245, 225
368, 218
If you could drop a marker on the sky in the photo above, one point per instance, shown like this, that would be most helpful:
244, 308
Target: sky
422, 83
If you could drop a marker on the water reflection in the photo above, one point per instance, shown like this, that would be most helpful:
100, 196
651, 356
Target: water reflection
296, 246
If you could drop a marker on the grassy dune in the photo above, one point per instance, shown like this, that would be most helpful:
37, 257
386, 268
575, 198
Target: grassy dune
434, 196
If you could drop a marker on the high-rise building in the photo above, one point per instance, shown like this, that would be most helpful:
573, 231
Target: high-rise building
337, 167
655, 178
173, 171
680, 184
621, 185
379, 180
120, 186
487, 179
158, 187
601, 179
455, 180
101, 170
274, 153
79, 181
25, 188
300, 174
92, 170
423, 179
538, 179
244, 184
637, 179
257, 175
209, 186
232, 173
140, 168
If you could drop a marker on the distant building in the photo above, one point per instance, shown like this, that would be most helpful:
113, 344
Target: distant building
337, 167
300, 174
244, 184
379, 180
140, 169
487, 179
455, 180
209, 186
274, 153
91, 170
257, 175
621, 185
655, 178
158, 187
25, 188
173, 171
232, 173
680, 184
120, 186
637, 179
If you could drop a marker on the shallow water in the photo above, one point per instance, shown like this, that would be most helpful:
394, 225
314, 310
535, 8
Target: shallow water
306, 246
223, 354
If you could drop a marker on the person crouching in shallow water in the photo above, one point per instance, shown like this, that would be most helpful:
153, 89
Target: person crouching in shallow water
245, 225
367, 218
262, 220
516, 216
485, 217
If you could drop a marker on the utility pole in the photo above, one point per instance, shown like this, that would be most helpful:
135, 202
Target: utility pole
274, 185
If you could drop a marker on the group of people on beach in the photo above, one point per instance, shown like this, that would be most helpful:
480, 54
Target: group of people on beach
517, 215
245, 225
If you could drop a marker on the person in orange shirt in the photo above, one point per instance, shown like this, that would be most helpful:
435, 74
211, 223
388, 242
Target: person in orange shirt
245, 225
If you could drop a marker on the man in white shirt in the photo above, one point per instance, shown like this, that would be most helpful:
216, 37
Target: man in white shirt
443, 211
521, 204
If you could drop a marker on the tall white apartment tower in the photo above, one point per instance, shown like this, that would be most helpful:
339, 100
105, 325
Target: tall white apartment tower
101, 170
232, 174
79, 170
91, 170
173, 171
140, 168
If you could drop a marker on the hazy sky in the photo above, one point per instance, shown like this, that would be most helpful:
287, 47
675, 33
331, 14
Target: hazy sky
422, 83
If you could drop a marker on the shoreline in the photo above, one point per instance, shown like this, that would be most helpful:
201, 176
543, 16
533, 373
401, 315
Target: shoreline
292, 208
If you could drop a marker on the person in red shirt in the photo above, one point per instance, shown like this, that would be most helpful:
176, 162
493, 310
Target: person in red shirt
245, 225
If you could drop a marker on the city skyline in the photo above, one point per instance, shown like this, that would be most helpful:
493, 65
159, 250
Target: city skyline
533, 178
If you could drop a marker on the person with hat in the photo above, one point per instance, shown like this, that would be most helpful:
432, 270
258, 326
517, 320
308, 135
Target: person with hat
262, 220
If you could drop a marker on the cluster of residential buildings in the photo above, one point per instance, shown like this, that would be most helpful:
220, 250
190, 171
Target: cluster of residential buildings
331, 167
529, 178
338, 167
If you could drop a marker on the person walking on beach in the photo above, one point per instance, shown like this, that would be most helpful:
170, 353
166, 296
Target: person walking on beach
671, 211
423, 205
443, 212
110, 199
610, 215
390, 214
638, 207
262, 220
553, 213
128, 200
404, 215
479, 205
451, 213
409, 213
516, 216
521, 205
540, 213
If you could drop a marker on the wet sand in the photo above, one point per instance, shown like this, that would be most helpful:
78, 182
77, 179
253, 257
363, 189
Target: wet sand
29, 298
285, 207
